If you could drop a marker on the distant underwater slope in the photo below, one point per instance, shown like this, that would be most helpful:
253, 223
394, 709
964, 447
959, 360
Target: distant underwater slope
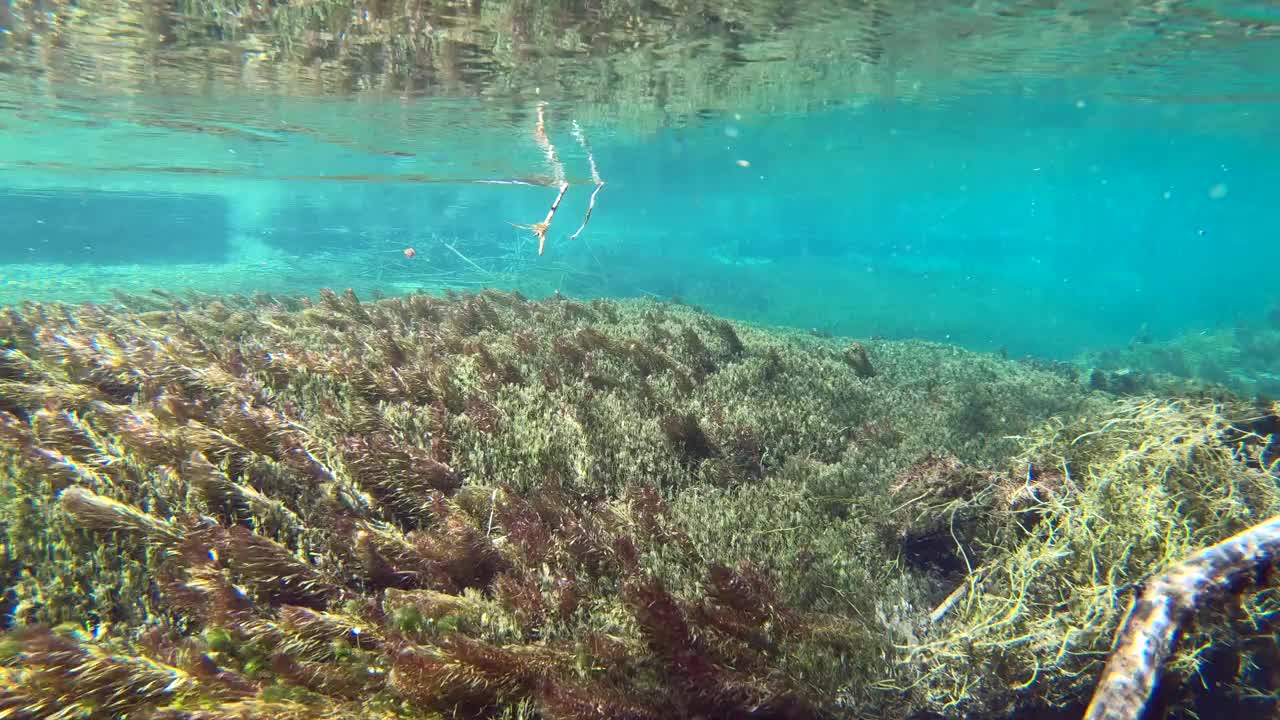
483, 506
1244, 357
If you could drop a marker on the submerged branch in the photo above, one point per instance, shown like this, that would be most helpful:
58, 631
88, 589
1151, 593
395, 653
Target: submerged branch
1150, 632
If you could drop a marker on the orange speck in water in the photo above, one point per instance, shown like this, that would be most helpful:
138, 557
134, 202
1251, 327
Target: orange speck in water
410, 253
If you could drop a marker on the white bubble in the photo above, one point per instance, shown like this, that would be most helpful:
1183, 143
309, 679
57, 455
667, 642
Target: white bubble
731, 131
1081, 104
1167, 194
1219, 191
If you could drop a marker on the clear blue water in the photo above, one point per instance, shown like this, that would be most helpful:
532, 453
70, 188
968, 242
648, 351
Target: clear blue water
1054, 200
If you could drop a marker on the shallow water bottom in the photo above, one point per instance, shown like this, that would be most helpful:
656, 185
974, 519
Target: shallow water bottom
1006, 309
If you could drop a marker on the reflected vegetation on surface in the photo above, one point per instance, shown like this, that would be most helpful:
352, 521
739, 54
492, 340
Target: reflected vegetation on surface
647, 60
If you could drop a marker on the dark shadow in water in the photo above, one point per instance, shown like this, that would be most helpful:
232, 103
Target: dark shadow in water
109, 228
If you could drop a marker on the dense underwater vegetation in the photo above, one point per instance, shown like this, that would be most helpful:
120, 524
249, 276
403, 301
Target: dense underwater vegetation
479, 505
902, 354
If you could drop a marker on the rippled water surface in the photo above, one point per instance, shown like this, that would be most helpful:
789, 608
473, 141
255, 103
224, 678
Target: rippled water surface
1036, 176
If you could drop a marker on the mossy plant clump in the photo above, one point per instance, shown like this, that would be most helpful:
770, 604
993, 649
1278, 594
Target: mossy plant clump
1106, 500
1242, 358
482, 506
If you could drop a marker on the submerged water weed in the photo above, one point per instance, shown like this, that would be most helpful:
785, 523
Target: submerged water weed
483, 506
1242, 357
1106, 500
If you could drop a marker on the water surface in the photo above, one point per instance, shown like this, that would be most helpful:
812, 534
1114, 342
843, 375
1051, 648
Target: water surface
1040, 178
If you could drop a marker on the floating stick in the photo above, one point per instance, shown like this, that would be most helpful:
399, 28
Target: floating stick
1150, 632
540, 229
558, 176
595, 177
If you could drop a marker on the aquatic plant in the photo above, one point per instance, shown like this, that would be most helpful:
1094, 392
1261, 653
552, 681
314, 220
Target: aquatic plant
1157, 615
481, 506
1240, 358
1102, 503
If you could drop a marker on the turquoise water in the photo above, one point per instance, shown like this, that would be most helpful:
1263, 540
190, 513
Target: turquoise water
1125, 197
485, 506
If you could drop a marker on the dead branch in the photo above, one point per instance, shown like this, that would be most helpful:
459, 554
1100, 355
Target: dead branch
558, 175
1155, 619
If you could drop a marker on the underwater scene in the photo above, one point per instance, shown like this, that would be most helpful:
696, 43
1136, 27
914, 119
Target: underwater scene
639, 359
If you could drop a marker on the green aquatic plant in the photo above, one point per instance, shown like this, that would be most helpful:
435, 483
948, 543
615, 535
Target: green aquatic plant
1103, 502
1240, 358
1157, 616
482, 506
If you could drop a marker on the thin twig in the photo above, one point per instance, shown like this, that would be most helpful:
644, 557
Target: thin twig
493, 505
466, 259
591, 206
956, 595
595, 177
